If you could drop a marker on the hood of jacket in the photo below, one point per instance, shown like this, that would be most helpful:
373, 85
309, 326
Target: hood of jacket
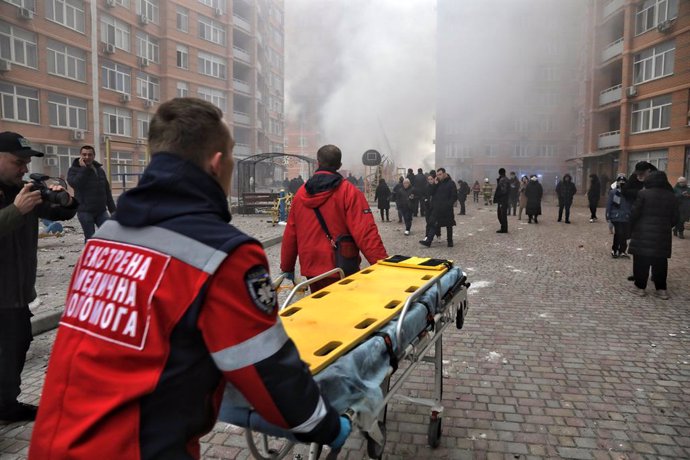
321, 186
95, 163
171, 187
657, 179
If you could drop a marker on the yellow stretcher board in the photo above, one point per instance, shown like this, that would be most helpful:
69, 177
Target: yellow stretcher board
332, 321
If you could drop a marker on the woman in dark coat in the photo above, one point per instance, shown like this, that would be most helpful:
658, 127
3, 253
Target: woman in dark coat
383, 198
404, 197
396, 188
444, 194
593, 195
533, 192
565, 190
654, 214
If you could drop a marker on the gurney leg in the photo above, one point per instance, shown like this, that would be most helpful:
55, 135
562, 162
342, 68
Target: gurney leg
265, 447
376, 438
434, 432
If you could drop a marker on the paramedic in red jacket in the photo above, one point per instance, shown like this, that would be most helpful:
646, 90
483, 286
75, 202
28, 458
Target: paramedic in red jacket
167, 304
345, 211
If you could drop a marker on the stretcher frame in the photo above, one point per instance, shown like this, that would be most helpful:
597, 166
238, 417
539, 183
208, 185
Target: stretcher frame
454, 310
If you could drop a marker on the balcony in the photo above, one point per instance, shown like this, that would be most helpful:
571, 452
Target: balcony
241, 117
612, 94
612, 7
241, 150
241, 23
612, 50
241, 55
609, 140
242, 86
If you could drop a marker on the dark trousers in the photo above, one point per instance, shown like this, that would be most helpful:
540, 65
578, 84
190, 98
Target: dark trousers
15, 337
387, 217
462, 207
659, 266
414, 202
475, 195
561, 207
89, 221
407, 218
680, 226
432, 230
513, 205
621, 233
593, 209
502, 213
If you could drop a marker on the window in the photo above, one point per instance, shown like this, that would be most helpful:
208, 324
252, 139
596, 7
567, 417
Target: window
19, 103
652, 12
69, 13
121, 166
220, 4
182, 89
658, 158
211, 30
182, 19
18, 45
182, 57
66, 112
212, 66
124, 3
66, 156
521, 125
547, 150
521, 150
454, 150
148, 87
116, 77
148, 9
66, 61
147, 47
117, 121
490, 151
213, 96
275, 127
654, 62
28, 4
651, 114
143, 121
115, 32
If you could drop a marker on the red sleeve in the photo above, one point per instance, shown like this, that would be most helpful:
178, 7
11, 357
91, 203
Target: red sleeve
362, 227
288, 248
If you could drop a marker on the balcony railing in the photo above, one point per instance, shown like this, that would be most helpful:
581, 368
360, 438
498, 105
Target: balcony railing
242, 23
241, 54
610, 139
612, 7
241, 85
612, 50
241, 117
612, 94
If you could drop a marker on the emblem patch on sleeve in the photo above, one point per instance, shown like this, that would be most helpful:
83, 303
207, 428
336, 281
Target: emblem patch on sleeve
261, 289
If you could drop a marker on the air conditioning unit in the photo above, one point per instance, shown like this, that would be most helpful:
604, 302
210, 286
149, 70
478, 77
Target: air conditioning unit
50, 150
143, 62
110, 3
125, 97
632, 91
78, 135
143, 19
5, 65
148, 103
140, 141
664, 26
218, 12
108, 48
50, 161
25, 13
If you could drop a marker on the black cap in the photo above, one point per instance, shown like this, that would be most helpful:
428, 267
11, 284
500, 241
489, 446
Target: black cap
644, 166
17, 144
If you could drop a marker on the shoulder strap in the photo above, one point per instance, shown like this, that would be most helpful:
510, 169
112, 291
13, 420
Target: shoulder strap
319, 216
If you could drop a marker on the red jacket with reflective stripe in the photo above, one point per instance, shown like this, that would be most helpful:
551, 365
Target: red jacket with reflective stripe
345, 211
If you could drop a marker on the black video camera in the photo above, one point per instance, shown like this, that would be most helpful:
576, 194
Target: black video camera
51, 196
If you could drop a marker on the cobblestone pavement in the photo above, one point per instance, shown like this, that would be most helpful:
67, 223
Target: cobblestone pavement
556, 359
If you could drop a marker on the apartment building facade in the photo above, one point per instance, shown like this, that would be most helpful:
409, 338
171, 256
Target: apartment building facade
510, 87
75, 72
638, 87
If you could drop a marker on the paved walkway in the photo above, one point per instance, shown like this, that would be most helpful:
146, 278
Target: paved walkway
556, 359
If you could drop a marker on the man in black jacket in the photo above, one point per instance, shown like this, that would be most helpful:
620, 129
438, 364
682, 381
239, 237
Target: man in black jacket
514, 192
420, 188
502, 200
91, 187
463, 191
20, 209
443, 195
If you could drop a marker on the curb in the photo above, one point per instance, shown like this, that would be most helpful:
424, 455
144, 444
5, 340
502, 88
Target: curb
44, 322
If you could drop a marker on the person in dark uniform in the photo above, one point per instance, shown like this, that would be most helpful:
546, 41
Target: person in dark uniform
443, 196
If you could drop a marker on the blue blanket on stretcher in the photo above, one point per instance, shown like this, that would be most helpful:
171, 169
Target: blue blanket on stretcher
354, 380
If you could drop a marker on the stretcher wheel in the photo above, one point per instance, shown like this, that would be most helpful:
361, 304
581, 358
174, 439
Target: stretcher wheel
374, 449
434, 433
265, 447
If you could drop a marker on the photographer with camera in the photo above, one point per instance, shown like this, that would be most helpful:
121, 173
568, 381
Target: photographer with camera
91, 187
21, 205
